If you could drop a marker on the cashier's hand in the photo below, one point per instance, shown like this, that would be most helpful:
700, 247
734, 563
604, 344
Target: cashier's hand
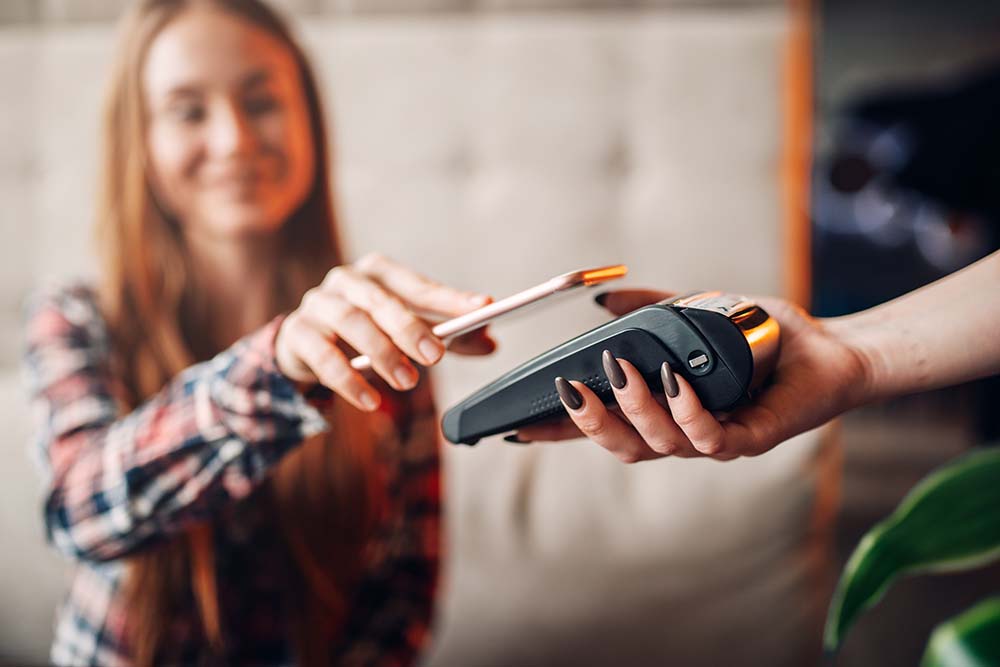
818, 375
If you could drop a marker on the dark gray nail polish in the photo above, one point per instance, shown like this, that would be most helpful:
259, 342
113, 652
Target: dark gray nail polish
669, 380
601, 299
516, 439
568, 393
616, 376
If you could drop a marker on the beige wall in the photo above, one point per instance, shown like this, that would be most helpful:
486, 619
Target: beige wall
75, 11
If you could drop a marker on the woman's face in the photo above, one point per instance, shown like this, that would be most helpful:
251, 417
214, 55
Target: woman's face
228, 132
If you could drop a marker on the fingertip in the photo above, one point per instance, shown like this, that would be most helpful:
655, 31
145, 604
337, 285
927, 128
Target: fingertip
405, 377
621, 301
431, 349
613, 371
569, 393
484, 338
369, 400
709, 449
630, 370
561, 428
480, 300
671, 387
477, 342
356, 391
586, 392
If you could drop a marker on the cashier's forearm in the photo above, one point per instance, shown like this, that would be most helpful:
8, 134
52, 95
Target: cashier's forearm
943, 334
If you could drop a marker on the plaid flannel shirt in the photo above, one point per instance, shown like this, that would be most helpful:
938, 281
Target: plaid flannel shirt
119, 483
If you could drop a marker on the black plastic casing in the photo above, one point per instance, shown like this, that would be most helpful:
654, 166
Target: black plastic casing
646, 337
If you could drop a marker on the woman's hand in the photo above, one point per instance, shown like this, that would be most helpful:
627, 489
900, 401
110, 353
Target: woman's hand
818, 375
374, 305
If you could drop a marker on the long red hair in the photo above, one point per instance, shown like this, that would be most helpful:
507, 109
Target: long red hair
322, 496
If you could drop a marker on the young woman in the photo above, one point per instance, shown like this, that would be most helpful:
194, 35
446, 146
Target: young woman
231, 490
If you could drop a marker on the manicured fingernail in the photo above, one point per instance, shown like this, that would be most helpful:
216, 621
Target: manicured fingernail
601, 299
616, 376
405, 377
669, 380
479, 299
568, 393
429, 350
368, 400
516, 439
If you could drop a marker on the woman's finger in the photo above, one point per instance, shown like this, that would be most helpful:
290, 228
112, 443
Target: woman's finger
418, 291
329, 365
758, 427
555, 430
549, 431
410, 333
624, 301
652, 421
701, 428
335, 316
597, 423
476, 342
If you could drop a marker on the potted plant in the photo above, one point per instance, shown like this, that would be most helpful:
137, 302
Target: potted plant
950, 521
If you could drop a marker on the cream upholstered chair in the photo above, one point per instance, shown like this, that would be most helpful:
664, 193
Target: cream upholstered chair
493, 152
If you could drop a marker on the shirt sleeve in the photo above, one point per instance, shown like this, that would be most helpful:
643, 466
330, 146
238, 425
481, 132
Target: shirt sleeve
395, 606
117, 482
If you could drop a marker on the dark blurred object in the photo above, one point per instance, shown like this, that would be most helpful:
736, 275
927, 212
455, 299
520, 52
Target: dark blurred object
910, 191
947, 141
906, 107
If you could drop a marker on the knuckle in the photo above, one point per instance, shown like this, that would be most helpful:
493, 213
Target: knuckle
628, 456
350, 315
712, 446
309, 299
633, 405
425, 290
686, 419
333, 371
592, 426
336, 275
411, 327
383, 350
383, 302
664, 447
370, 260
293, 323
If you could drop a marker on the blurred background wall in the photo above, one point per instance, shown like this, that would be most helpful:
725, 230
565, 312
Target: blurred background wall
489, 145
904, 191
493, 143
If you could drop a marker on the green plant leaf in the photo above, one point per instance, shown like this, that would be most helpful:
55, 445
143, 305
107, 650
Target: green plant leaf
949, 521
971, 639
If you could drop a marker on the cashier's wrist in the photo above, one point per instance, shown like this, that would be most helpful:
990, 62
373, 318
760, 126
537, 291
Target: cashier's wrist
888, 359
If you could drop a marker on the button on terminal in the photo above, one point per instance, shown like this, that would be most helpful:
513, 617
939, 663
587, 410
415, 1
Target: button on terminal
698, 361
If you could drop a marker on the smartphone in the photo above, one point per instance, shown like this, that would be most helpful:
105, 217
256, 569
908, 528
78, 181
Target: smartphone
482, 316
